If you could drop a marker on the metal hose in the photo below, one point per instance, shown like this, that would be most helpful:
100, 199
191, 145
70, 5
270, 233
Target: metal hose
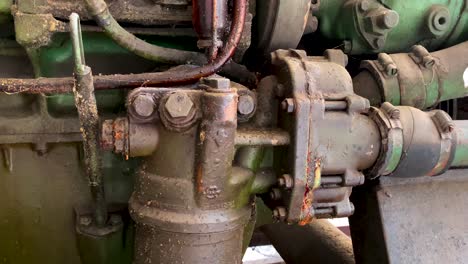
167, 78
103, 17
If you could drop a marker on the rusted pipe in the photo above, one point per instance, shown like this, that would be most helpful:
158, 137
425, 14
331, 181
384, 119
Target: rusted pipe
167, 78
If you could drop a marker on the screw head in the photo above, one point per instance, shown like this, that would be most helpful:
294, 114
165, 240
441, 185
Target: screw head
178, 105
144, 105
246, 105
288, 105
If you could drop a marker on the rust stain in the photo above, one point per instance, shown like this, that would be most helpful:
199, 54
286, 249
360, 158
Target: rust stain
308, 199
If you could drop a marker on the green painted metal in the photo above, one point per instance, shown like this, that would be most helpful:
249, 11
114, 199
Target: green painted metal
338, 21
39, 194
461, 152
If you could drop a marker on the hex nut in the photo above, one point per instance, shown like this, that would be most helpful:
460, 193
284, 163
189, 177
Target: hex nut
178, 105
288, 105
216, 82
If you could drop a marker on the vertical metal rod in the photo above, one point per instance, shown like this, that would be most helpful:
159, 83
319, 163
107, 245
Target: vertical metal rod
85, 102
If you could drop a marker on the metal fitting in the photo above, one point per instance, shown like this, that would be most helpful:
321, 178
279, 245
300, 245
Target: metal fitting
246, 105
421, 56
178, 111
280, 214
217, 82
178, 105
388, 64
275, 194
391, 110
286, 181
288, 105
364, 5
85, 220
143, 105
388, 19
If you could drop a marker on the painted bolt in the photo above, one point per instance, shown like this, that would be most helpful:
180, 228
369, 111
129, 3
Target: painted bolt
388, 19
178, 105
246, 105
144, 105
288, 105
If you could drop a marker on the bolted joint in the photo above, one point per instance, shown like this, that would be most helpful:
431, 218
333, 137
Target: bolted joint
421, 56
288, 105
178, 105
443, 121
387, 19
280, 214
144, 105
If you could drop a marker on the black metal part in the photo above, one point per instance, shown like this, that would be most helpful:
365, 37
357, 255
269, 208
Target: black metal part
417, 220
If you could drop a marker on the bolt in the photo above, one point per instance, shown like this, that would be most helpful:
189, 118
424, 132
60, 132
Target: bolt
143, 104
379, 42
347, 46
279, 213
286, 181
391, 110
178, 105
388, 19
246, 105
217, 82
288, 105
85, 220
428, 61
364, 5
275, 194
115, 220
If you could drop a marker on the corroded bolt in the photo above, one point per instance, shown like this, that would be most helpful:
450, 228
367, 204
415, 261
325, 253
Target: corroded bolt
85, 220
280, 213
388, 64
144, 105
178, 105
217, 82
275, 194
288, 105
246, 105
286, 181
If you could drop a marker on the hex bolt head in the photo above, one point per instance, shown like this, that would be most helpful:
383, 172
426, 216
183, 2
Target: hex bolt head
275, 194
246, 105
144, 105
85, 220
288, 105
217, 82
178, 105
379, 42
286, 181
280, 214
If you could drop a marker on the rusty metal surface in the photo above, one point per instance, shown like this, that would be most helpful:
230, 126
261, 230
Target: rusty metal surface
419, 220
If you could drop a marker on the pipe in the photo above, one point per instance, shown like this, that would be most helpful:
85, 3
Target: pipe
461, 152
85, 102
167, 78
100, 11
318, 242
